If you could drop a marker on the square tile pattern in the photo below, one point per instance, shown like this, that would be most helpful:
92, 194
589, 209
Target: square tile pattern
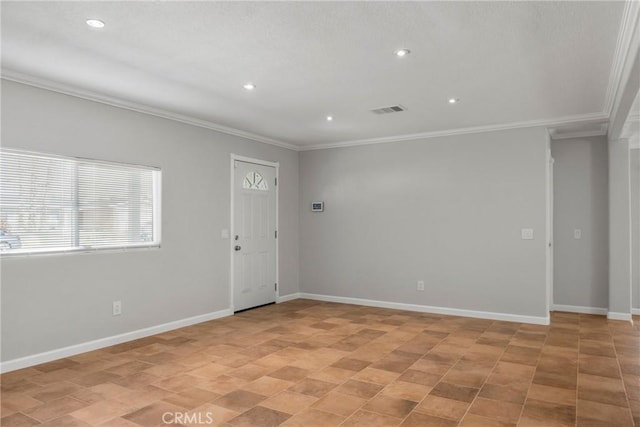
309, 363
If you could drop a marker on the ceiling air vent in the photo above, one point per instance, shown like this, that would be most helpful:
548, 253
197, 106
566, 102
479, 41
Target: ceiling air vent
390, 109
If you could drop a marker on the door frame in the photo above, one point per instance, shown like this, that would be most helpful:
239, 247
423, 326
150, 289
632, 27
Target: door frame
276, 165
549, 232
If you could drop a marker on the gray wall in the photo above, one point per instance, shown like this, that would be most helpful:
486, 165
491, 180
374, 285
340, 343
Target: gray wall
635, 226
54, 301
581, 266
619, 229
444, 210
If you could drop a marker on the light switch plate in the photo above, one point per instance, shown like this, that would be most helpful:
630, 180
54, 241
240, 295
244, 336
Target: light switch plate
224, 234
527, 233
577, 233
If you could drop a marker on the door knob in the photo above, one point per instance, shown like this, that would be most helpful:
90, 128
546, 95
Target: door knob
238, 248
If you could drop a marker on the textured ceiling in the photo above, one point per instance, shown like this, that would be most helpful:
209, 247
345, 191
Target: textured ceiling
508, 62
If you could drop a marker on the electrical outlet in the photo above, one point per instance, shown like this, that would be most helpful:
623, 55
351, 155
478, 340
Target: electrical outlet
420, 285
117, 308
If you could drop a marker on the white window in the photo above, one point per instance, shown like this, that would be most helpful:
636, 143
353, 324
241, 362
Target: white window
51, 204
254, 181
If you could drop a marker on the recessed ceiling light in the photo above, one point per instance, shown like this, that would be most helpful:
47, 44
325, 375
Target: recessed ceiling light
454, 100
329, 118
402, 52
249, 86
95, 23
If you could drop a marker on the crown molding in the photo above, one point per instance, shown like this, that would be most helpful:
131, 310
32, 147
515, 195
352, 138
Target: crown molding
46, 84
18, 77
585, 134
625, 45
634, 116
594, 117
601, 131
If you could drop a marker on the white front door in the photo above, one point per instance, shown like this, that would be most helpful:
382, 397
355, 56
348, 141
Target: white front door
254, 235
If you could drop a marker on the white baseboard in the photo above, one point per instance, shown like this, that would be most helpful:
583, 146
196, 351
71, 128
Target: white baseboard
289, 297
580, 309
618, 316
635, 311
48, 356
542, 320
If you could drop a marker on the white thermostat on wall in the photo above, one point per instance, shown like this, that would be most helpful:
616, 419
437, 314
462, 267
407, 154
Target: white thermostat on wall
317, 206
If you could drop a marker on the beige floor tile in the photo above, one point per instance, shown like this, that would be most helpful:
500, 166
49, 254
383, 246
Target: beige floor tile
260, 416
417, 419
289, 402
612, 414
502, 411
388, 405
550, 394
18, 401
366, 418
192, 398
314, 418
409, 391
18, 420
340, 404
102, 411
267, 386
443, 408
218, 414
320, 364
55, 408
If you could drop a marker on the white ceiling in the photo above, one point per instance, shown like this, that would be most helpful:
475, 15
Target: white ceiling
510, 63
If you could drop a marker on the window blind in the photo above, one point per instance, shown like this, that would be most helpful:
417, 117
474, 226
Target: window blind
51, 203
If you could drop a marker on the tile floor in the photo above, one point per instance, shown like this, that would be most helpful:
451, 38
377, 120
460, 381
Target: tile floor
308, 363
